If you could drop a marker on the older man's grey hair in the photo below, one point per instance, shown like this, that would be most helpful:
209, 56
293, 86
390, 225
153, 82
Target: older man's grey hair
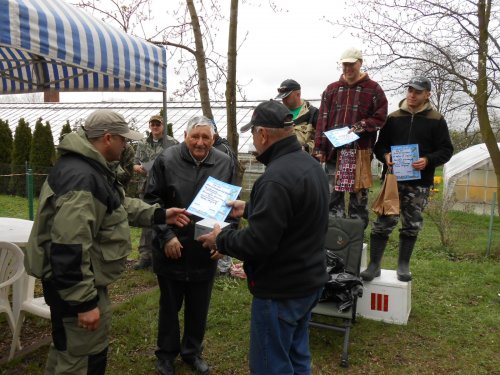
200, 121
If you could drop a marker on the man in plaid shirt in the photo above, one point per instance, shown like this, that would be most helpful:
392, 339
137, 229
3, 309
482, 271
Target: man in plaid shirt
356, 101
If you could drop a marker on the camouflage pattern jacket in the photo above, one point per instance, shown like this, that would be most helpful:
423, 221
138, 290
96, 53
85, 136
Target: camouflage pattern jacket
147, 150
305, 126
126, 169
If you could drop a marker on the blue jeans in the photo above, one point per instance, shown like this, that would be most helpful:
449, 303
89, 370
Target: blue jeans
279, 335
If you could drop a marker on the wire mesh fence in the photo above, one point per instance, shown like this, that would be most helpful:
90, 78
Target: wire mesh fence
13, 178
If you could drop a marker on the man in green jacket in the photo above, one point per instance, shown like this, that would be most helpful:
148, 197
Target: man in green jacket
81, 238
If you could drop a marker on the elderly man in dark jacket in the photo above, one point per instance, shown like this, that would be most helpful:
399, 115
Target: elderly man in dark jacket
282, 247
184, 269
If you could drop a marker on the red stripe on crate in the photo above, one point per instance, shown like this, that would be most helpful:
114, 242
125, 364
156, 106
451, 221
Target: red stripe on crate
379, 302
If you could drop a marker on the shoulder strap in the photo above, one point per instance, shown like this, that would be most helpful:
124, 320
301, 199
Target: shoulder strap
309, 117
314, 115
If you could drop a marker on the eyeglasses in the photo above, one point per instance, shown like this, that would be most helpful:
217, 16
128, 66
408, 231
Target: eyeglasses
155, 123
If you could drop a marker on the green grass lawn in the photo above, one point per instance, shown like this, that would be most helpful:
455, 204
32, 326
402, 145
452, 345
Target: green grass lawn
453, 326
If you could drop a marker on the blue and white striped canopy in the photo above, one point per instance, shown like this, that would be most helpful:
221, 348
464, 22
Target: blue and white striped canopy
52, 45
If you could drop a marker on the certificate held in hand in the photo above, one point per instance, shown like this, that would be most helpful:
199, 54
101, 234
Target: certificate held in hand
341, 136
210, 204
403, 156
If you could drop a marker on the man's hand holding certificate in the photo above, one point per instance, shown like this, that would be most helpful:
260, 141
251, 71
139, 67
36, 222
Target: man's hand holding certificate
341, 136
210, 204
403, 157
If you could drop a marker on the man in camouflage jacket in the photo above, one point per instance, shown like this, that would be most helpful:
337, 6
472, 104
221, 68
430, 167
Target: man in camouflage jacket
147, 151
304, 114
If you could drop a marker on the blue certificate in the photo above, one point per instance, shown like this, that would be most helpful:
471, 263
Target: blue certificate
210, 202
403, 156
341, 136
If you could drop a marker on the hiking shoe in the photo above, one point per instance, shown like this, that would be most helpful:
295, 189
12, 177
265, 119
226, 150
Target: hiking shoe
142, 264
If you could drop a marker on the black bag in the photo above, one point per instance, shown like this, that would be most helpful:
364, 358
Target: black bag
343, 246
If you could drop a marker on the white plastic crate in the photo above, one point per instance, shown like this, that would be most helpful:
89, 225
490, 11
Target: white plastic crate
385, 298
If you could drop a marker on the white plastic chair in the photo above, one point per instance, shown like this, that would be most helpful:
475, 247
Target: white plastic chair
24, 301
11, 269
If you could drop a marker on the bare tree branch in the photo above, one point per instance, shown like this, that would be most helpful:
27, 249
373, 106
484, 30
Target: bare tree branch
454, 42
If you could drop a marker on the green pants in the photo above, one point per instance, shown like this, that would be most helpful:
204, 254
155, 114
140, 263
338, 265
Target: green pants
77, 351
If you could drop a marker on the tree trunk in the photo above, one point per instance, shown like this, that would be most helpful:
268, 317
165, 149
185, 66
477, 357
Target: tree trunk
481, 96
232, 132
200, 61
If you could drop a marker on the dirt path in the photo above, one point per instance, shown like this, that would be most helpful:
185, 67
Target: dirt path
36, 331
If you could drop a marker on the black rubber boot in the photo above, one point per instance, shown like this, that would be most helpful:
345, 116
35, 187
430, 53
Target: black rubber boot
377, 248
406, 245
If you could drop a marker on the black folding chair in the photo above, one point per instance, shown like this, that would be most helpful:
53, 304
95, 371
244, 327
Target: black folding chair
344, 239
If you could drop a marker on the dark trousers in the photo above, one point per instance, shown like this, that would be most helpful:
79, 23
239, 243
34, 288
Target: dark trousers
196, 297
146, 244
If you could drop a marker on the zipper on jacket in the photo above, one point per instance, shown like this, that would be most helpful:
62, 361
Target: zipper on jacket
411, 127
197, 167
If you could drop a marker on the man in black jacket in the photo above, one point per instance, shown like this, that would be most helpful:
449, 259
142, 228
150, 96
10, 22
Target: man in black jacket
282, 246
184, 269
415, 122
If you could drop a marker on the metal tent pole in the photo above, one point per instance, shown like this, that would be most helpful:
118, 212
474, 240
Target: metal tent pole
29, 191
165, 130
490, 230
